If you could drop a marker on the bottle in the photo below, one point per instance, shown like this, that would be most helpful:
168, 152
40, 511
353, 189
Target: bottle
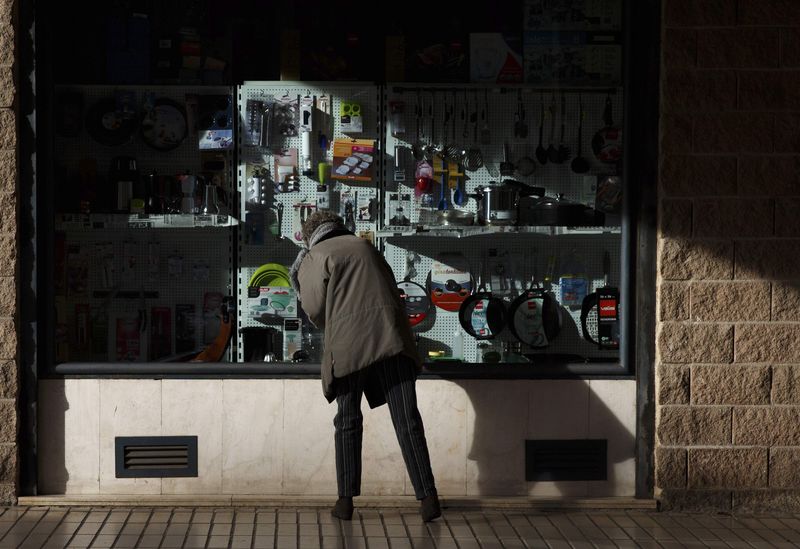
458, 345
124, 175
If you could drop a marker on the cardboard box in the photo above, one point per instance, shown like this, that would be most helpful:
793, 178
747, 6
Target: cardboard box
354, 160
573, 57
495, 58
572, 15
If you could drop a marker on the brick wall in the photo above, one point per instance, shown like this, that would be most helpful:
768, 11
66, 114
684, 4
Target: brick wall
728, 343
8, 291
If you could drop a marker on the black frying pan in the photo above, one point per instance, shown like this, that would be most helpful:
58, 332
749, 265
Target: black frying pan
482, 315
533, 316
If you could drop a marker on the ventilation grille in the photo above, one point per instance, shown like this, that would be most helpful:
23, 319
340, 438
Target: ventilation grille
566, 459
151, 457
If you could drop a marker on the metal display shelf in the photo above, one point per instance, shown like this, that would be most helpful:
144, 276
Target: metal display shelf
142, 221
467, 231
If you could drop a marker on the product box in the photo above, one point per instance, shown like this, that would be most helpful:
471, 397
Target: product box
573, 57
437, 57
185, 328
572, 15
495, 58
354, 160
275, 301
128, 340
160, 332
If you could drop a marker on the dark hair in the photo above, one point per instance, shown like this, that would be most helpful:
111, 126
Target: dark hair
315, 220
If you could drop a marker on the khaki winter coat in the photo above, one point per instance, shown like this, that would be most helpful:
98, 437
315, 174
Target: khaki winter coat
348, 290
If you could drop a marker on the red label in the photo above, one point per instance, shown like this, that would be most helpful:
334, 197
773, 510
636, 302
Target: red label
608, 308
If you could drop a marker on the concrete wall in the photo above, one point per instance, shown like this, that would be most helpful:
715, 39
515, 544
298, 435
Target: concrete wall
728, 343
8, 254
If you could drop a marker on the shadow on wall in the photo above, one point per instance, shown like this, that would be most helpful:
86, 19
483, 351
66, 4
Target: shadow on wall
506, 413
53, 409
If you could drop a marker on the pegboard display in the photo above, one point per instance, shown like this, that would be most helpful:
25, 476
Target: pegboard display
186, 157
509, 261
139, 287
271, 146
106, 278
496, 126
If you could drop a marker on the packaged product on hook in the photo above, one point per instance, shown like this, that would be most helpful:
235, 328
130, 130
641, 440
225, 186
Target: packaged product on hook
572, 281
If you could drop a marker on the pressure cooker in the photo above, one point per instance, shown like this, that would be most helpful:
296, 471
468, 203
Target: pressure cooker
498, 202
547, 210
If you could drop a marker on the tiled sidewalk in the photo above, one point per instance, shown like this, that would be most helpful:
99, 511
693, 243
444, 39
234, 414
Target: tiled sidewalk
200, 527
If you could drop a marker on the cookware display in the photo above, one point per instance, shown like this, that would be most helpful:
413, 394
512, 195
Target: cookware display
600, 313
414, 296
449, 282
547, 210
108, 124
482, 315
163, 124
534, 316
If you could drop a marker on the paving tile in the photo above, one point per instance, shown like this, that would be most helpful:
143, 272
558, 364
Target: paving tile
139, 516
195, 542
245, 517
33, 542
171, 542
223, 529
310, 542
286, 529
604, 544
354, 543
82, 540
152, 540
286, 542
264, 542
241, 542
287, 516
394, 543
181, 517
218, 542
329, 542
422, 543
104, 540
202, 517
125, 541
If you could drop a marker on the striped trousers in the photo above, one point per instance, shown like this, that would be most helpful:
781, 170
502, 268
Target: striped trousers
396, 377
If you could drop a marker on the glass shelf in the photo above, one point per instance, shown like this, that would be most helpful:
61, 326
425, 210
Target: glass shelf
141, 221
467, 231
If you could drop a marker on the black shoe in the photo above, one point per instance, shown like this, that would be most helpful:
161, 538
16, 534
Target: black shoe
429, 508
343, 509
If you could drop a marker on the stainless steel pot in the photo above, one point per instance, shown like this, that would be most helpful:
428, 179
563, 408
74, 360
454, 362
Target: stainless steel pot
497, 202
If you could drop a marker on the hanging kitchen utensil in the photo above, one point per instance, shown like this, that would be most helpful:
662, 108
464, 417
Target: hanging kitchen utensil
482, 315
541, 152
600, 313
442, 197
579, 163
474, 158
607, 142
449, 282
418, 148
163, 125
507, 168
534, 316
552, 150
414, 296
107, 125
563, 150
486, 136
520, 127
430, 147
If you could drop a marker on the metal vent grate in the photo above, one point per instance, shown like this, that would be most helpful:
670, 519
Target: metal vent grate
151, 457
566, 459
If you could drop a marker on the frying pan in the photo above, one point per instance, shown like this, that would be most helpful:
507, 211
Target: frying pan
164, 126
106, 125
414, 296
482, 315
600, 307
452, 284
533, 316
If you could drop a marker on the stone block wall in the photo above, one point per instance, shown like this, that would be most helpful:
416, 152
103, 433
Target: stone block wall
728, 337
8, 254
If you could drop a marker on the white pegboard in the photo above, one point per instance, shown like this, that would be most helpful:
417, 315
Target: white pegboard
500, 120
514, 251
284, 249
205, 253
181, 265
186, 156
